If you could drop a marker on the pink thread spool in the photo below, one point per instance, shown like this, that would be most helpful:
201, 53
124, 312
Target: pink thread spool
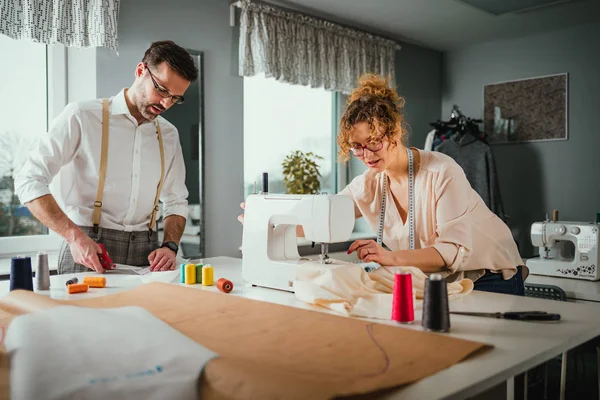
402, 302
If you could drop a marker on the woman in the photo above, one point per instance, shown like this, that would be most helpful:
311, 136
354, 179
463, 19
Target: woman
453, 231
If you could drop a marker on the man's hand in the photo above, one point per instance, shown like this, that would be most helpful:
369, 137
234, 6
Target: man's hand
162, 259
369, 250
85, 251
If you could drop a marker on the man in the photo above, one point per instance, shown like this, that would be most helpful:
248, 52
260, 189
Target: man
114, 173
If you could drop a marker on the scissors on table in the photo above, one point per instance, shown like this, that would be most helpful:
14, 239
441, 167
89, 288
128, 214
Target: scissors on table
516, 315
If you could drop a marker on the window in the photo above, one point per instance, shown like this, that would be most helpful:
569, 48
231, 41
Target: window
26, 107
280, 118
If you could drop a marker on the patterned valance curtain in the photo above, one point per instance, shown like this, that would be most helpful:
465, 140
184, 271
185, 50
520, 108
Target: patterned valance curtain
74, 23
299, 49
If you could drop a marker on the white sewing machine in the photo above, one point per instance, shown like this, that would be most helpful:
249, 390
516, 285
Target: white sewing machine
567, 249
269, 242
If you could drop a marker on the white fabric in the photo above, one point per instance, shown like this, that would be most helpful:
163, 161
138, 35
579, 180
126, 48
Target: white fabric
127, 353
74, 23
429, 141
348, 290
299, 49
73, 146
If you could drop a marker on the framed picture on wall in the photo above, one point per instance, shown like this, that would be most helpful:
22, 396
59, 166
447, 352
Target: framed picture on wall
527, 110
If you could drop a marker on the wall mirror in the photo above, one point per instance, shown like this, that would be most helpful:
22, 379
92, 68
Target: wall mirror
188, 118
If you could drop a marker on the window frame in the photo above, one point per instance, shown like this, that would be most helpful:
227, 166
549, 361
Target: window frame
56, 100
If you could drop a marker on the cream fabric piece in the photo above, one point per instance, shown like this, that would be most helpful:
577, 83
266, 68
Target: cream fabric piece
349, 290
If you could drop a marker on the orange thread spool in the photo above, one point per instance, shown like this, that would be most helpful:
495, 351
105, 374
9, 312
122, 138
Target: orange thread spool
77, 288
224, 285
95, 281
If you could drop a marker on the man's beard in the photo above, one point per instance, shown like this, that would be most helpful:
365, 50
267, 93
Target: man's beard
146, 109
148, 112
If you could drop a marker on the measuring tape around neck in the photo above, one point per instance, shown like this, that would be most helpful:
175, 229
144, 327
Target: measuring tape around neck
411, 203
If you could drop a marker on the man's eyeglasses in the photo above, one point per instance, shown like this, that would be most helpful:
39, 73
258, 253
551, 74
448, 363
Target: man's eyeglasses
162, 92
373, 147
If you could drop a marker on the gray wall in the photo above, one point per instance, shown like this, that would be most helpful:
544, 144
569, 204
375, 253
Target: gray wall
536, 178
203, 26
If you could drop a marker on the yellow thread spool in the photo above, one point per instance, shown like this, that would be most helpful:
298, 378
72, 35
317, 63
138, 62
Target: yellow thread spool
207, 275
95, 281
190, 274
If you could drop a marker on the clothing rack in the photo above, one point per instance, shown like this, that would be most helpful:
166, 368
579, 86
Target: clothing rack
458, 123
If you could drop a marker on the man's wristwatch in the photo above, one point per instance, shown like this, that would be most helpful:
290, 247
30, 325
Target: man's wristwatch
171, 246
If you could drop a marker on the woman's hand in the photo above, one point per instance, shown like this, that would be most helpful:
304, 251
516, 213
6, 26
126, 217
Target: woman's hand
241, 216
369, 250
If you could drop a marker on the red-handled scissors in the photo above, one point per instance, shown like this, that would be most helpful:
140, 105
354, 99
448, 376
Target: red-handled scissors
105, 260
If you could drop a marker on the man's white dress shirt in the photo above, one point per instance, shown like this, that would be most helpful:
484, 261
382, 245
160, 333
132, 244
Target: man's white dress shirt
73, 146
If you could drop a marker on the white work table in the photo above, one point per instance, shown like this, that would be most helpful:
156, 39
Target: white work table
575, 289
518, 346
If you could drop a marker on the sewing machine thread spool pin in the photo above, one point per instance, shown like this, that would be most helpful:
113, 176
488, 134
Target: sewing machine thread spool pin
265, 183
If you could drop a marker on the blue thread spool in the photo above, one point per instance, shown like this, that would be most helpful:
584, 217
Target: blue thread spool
182, 273
21, 275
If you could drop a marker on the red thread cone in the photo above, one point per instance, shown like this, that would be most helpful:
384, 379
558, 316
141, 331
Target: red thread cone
402, 302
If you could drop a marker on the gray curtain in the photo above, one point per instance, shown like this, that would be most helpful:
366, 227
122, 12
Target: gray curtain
74, 23
299, 49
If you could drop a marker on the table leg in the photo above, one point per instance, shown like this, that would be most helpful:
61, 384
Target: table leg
598, 362
563, 376
510, 389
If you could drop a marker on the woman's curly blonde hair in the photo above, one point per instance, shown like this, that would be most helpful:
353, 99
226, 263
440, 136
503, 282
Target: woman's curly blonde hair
375, 103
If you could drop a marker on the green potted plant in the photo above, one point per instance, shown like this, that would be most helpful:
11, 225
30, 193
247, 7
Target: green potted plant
301, 173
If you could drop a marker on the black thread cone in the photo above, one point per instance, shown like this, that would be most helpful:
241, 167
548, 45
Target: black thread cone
21, 275
436, 315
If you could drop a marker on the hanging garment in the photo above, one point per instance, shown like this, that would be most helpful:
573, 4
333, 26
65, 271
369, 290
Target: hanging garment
429, 140
477, 160
349, 290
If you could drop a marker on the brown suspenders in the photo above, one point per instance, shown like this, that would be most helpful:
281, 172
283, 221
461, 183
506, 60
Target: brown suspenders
102, 177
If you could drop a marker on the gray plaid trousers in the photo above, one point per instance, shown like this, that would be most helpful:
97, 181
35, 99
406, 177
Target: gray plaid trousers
130, 248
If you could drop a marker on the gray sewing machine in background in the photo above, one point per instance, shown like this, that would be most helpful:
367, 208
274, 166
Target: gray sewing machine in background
567, 249
269, 242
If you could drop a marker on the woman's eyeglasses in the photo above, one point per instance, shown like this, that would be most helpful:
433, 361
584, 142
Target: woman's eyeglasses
373, 147
162, 92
